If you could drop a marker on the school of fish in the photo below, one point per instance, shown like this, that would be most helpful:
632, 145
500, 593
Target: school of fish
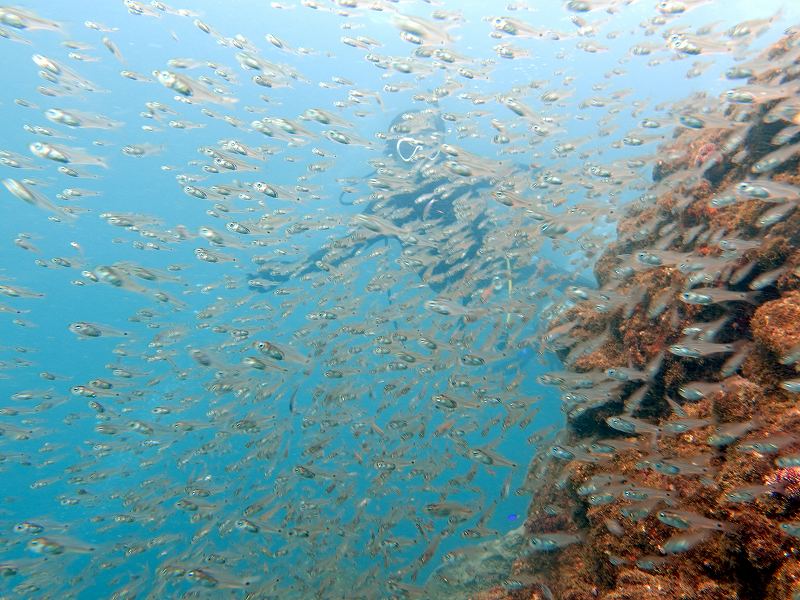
276, 328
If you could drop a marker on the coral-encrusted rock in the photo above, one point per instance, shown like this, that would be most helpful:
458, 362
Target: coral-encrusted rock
776, 324
689, 150
751, 557
498, 593
637, 585
739, 401
761, 541
761, 368
785, 583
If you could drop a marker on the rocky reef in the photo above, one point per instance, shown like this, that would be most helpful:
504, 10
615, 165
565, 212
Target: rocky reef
678, 476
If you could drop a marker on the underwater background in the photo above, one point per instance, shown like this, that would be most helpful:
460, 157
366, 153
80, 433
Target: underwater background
400, 299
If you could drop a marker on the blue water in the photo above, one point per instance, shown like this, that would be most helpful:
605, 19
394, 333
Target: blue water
57, 475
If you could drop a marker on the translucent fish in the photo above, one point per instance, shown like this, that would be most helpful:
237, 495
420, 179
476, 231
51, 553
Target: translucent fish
19, 18
64, 154
727, 434
94, 330
34, 198
190, 89
113, 49
706, 296
67, 79
775, 159
280, 352
207, 578
550, 542
680, 426
791, 385
768, 445
688, 520
791, 528
747, 493
706, 331
697, 390
54, 546
74, 118
140, 150
700, 349
684, 542
426, 31
792, 356
631, 425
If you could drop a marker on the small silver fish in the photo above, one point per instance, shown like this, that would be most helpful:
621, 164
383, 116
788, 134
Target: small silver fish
684, 542
768, 278
681, 519
697, 390
34, 198
700, 349
549, 542
707, 296
93, 330
791, 385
